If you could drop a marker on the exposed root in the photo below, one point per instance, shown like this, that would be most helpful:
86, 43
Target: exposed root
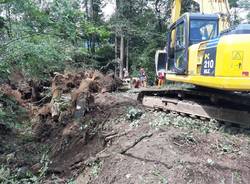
115, 135
123, 151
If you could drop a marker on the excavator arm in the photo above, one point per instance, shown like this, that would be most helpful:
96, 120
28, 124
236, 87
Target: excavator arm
176, 10
213, 6
220, 7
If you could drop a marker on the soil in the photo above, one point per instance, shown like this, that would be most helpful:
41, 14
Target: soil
174, 153
119, 141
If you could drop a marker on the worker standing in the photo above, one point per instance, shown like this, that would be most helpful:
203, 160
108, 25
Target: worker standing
143, 77
125, 72
161, 78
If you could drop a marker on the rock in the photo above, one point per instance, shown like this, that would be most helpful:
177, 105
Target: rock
83, 179
10, 157
23, 172
36, 168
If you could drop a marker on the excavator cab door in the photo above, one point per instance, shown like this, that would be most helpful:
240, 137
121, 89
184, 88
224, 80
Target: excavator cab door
177, 60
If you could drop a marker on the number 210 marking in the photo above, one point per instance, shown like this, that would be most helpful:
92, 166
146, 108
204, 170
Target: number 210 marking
209, 64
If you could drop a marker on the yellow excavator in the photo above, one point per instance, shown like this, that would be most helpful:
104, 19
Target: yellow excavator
203, 49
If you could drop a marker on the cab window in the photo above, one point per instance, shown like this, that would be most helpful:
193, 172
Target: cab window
202, 30
180, 40
171, 51
180, 47
172, 43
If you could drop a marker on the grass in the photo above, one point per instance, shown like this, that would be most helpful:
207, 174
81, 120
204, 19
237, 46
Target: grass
23, 175
163, 119
96, 168
163, 179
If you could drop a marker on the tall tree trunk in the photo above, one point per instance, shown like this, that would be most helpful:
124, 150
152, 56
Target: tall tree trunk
158, 13
86, 8
86, 5
117, 9
92, 9
93, 37
121, 56
116, 52
8, 14
127, 54
116, 46
93, 40
117, 3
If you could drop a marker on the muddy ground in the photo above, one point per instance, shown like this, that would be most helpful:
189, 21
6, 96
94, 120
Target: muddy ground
119, 141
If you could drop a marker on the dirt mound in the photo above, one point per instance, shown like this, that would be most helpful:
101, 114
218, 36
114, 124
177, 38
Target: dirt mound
70, 120
74, 143
72, 97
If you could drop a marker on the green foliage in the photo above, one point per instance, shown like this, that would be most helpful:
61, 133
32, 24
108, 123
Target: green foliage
163, 179
162, 119
44, 39
22, 175
10, 112
17, 177
244, 4
66, 17
248, 17
2, 22
45, 162
145, 29
134, 114
233, 3
37, 56
96, 168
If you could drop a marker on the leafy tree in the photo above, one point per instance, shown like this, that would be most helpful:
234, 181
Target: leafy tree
233, 3
40, 40
40, 37
144, 28
245, 4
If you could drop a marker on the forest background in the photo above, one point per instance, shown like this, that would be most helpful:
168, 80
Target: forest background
40, 37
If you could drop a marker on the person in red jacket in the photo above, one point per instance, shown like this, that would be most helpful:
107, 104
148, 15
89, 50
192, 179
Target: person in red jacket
161, 79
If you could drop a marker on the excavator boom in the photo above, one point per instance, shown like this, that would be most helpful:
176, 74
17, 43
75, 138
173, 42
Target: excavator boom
213, 6
220, 7
176, 10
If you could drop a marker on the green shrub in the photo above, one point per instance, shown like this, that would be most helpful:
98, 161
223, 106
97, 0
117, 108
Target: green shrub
10, 112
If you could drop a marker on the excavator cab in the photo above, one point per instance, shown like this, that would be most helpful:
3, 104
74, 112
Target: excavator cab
190, 29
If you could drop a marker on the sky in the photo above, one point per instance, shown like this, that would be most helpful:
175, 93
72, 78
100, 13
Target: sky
108, 9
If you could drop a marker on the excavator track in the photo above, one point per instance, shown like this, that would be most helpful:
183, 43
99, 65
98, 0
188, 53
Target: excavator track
213, 104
